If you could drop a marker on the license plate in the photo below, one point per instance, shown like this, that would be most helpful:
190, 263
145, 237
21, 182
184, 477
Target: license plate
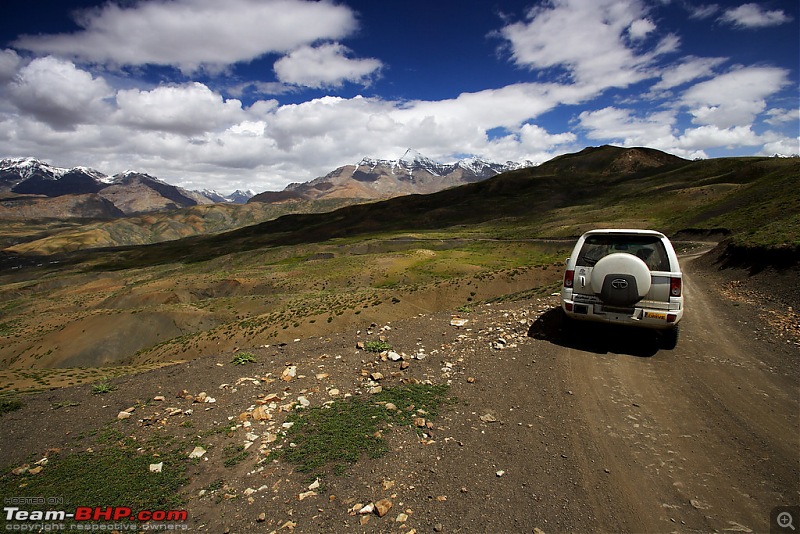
655, 315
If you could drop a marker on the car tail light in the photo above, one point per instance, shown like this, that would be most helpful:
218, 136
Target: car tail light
675, 287
569, 278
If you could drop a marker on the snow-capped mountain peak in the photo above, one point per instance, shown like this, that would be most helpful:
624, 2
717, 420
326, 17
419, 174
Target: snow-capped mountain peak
27, 167
237, 197
373, 178
412, 157
413, 160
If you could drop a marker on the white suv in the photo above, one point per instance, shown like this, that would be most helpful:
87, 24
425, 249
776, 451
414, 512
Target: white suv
629, 277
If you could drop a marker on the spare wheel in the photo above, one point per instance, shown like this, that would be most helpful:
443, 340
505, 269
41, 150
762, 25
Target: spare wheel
621, 279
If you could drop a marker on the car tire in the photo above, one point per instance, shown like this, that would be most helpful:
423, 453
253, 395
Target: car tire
621, 279
669, 338
567, 325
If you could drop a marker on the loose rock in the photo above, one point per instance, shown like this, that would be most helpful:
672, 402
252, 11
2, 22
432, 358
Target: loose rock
382, 507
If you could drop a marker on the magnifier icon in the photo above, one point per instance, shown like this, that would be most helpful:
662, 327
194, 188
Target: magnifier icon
785, 520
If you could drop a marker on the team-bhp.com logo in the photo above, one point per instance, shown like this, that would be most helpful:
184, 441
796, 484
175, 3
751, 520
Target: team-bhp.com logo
119, 515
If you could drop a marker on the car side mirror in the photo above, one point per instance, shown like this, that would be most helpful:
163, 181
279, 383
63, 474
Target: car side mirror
566, 261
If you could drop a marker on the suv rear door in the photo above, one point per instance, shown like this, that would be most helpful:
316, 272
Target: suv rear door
648, 248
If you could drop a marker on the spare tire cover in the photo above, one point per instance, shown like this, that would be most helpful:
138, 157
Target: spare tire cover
622, 265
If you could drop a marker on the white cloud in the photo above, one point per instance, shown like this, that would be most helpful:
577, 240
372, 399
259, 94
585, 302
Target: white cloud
58, 93
754, 16
190, 109
734, 98
507, 106
784, 146
702, 11
587, 38
9, 63
190, 134
688, 70
190, 34
706, 137
782, 116
324, 66
639, 29
660, 130
612, 123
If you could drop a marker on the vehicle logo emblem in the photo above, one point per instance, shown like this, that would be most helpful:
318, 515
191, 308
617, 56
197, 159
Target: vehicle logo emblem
619, 283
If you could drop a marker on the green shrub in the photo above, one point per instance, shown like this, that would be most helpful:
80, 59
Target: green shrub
243, 358
377, 346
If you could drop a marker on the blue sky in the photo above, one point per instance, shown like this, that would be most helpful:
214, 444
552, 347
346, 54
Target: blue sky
255, 94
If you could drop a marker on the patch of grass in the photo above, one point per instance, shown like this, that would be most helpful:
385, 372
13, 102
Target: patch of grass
216, 485
102, 387
413, 400
377, 346
9, 405
340, 432
233, 455
243, 358
116, 474
8, 328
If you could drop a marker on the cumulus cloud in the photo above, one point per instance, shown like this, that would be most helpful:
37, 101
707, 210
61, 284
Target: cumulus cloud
734, 98
189, 34
754, 16
506, 107
188, 109
327, 65
623, 125
660, 130
706, 137
555, 35
784, 146
58, 93
9, 63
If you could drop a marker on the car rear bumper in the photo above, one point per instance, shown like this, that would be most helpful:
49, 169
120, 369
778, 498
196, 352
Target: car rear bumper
661, 316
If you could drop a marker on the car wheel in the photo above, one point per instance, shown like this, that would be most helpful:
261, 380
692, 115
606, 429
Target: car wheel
567, 326
669, 338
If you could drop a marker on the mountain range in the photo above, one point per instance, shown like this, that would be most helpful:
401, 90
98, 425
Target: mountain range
32, 188
379, 179
752, 198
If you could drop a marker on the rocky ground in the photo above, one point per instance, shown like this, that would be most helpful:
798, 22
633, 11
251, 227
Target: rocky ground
545, 430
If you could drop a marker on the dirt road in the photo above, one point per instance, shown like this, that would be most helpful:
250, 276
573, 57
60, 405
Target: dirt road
588, 430
703, 438
601, 430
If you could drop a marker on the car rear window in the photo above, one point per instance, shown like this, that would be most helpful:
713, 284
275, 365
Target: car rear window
650, 249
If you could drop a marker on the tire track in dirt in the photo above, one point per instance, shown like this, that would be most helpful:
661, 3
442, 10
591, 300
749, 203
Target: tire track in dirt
699, 438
